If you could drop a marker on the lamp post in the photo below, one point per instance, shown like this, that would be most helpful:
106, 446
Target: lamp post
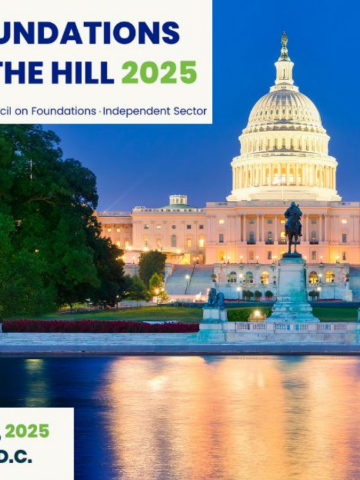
187, 277
238, 289
157, 292
319, 290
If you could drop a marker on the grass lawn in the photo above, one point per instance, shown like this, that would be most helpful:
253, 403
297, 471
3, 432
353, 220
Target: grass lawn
187, 315
335, 314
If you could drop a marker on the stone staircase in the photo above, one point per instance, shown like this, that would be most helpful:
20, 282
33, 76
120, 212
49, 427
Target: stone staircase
200, 280
354, 282
177, 283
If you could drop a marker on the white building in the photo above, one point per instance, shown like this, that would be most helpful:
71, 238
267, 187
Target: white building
284, 156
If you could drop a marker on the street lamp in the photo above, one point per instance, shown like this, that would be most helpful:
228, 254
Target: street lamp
238, 289
187, 277
241, 277
157, 292
319, 290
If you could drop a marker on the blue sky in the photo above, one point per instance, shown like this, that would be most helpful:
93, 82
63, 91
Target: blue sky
143, 165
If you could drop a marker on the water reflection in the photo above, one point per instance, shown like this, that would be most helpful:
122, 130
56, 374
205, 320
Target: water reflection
226, 418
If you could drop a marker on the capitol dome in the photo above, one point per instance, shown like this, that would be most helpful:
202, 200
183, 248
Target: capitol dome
285, 106
284, 147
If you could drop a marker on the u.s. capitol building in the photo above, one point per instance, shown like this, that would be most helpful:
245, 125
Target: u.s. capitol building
284, 156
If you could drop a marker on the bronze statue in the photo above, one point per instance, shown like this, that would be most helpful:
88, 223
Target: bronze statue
293, 227
215, 300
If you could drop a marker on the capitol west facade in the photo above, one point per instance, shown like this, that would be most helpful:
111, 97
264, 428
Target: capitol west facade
284, 156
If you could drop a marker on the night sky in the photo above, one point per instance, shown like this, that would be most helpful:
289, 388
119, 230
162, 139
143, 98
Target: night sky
143, 165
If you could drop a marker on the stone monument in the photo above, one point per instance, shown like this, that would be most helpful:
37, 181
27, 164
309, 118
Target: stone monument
215, 310
292, 304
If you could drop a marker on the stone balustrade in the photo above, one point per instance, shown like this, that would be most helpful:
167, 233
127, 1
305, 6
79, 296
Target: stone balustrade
277, 332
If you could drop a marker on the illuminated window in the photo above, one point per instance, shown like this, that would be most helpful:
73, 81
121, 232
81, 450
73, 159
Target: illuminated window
201, 243
109, 230
329, 277
118, 230
146, 227
126, 244
221, 221
282, 221
313, 277
344, 220
118, 244
264, 278
158, 227
188, 242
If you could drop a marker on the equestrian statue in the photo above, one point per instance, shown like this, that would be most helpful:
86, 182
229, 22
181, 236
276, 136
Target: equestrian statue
293, 228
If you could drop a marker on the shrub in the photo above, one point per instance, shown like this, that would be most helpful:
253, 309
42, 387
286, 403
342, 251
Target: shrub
243, 314
258, 294
95, 326
269, 294
247, 294
314, 294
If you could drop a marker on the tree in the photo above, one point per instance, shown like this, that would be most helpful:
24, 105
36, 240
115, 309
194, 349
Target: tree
258, 295
157, 288
137, 290
150, 263
269, 294
51, 202
23, 290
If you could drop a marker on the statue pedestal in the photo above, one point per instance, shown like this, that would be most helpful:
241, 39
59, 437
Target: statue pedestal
292, 304
214, 315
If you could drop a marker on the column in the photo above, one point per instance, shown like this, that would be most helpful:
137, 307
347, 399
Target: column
271, 174
326, 228
257, 228
307, 228
245, 238
262, 228
276, 228
304, 229
321, 229
287, 174
296, 175
251, 175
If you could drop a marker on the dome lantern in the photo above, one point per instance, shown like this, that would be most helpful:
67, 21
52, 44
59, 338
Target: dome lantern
284, 65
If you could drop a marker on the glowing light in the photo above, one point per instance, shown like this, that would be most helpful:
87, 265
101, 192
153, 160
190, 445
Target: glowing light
221, 221
344, 220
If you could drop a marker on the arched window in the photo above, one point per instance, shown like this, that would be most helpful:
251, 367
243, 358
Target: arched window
313, 277
264, 278
173, 240
329, 277
232, 277
251, 237
249, 277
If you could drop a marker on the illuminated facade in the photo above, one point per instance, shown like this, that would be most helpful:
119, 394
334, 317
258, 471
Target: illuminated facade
284, 156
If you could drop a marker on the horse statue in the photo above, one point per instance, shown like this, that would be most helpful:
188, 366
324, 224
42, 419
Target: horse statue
293, 227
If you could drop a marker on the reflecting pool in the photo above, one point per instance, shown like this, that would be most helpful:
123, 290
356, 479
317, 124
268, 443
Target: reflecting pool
200, 418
